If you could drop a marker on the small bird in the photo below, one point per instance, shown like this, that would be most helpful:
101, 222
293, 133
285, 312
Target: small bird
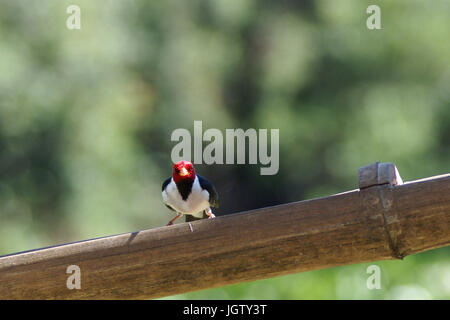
188, 193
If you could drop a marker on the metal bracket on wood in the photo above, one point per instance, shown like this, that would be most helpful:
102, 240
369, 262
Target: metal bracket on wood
378, 174
375, 182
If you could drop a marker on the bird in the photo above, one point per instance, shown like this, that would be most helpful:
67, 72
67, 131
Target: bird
189, 194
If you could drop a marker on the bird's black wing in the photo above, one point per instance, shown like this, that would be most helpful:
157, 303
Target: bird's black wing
208, 186
165, 183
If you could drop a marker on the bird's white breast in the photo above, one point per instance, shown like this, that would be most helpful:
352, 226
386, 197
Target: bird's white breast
196, 202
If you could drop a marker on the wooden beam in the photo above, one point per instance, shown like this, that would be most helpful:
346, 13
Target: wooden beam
382, 220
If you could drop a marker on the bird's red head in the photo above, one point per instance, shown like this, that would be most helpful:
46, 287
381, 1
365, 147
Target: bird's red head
183, 170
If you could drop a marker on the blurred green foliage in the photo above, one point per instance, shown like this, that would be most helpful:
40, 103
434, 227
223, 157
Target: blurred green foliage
86, 116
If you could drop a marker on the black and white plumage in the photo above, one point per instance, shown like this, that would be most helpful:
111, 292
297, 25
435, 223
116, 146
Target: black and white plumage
188, 193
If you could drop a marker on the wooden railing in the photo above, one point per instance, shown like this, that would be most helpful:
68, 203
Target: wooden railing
383, 219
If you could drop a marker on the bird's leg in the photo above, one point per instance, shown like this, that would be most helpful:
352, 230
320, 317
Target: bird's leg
209, 213
171, 221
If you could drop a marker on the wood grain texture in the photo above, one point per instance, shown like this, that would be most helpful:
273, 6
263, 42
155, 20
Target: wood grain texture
374, 223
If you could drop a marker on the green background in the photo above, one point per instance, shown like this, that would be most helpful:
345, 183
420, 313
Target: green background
86, 116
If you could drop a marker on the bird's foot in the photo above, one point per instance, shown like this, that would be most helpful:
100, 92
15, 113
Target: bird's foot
209, 213
171, 221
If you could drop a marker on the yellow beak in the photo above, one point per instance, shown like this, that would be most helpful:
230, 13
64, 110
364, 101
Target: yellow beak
183, 172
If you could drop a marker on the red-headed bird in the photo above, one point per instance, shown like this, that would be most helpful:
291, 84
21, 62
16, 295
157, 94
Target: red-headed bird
188, 193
